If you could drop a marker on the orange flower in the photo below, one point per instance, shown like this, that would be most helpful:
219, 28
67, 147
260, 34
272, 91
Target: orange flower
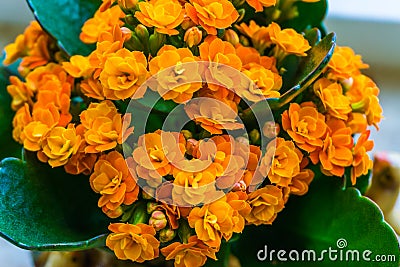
357, 122
288, 40
59, 145
103, 126
212, 15
335, 154
304, 125
21, 118
134, 242
178, 83
19, 92
213, 115
259, 5
345, 63
92, 88
265, 204
331, 95
194, 253
165, 16
266, 84
213, 221
224, 95
301, 181
81, 162
361, 163
112, 179
101, 21
32, 47
78, 66
156, 154
250, 56
282, 163
123, 73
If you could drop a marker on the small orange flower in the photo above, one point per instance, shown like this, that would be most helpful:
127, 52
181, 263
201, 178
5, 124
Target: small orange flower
335, 154
331, 95
123, 73
134, 242
59, 145
19, 92
250, 56
212, 15
361, 163
357, 122
216, 50
81, 162
213, 115
305, 125
92, 88
213, 221
113, 180
282, 163
265, 204
259, 5
101, 21
165, 16
288, 40
21, 118
178, 83
301, 181
345, 63
103, 125
194, 253
78, 66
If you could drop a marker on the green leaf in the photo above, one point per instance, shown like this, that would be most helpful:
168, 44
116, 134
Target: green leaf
63, 20
47, 209
9, 148
309, 70
310, 15
316, 222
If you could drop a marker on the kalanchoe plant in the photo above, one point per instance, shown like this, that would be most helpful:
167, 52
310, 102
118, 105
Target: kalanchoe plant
187, 131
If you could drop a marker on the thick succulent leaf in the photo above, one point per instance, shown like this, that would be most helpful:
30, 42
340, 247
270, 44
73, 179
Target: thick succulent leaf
9, 148
46, 209
63, 19
308, 71
316, 222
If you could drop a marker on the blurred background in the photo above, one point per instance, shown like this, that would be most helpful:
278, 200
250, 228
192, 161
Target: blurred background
371, 29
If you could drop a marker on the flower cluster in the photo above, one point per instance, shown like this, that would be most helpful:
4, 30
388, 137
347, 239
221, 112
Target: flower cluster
182, 193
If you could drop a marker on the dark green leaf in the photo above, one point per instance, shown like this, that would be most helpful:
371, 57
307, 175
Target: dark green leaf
309, 70
152, 100
63, 19
46, 209
313, 36
316, 222
9, 148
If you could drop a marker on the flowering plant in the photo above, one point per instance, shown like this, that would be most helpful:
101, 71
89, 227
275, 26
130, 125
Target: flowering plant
170, 129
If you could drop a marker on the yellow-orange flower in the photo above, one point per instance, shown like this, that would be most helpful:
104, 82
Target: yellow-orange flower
305, 125
92, 88
361, 161
32, 46
101, 21
112, 179
21, 118
331, 95
194, 253
213, 115
78, 66
133, 242
19, 92
81, 162
59, 145
157, 153
103, 125
357, 122
301, 181
213, 221
335, 154
123, 73
212, 15
250, 56
265, 204
345, 63
175, 83
288, 40
259, 5
281, 163
165, 16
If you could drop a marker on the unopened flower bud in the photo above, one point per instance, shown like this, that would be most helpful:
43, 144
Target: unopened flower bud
142, 33
187, 23
187, 134
156, 41
167, 235
271, 129
193, 36
126, 33
347, 83
190, 145
127, 4
231, 36
239, 186
244, 41
254, 136
151, 206
158, 220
